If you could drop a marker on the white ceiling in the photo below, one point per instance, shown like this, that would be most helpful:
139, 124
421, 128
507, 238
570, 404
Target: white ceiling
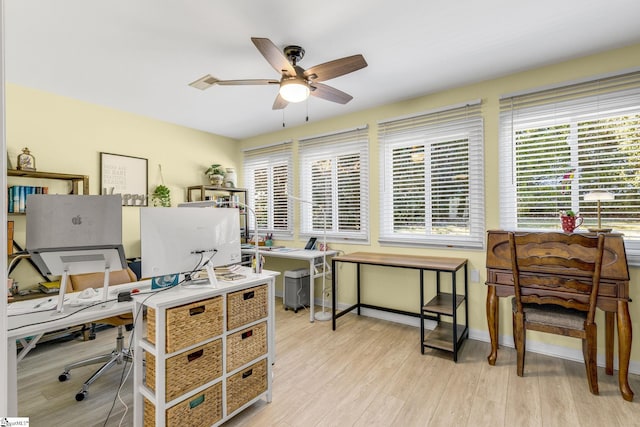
140, 55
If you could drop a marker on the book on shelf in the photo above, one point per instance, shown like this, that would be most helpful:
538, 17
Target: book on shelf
50, 287
17, 196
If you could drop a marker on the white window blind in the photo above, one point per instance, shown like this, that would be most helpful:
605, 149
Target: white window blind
556, 145
267, 172
334, 181
432, 178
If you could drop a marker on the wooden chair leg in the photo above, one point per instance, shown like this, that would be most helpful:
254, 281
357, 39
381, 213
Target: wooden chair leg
519, 339
589, 349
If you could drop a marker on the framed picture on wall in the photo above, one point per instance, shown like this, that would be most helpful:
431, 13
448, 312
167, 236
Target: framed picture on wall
124, 175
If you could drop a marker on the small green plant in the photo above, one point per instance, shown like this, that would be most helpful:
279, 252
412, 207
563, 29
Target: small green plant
568, 212
161, 196
215, 169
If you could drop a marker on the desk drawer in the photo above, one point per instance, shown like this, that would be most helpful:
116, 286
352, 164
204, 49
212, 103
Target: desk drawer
203, 409
188, 324
246, 345
187, 370
246, 306
607, 289
246, 385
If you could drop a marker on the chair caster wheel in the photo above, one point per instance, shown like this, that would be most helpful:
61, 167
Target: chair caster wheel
80, 396
64, 376
295, 310
286, 309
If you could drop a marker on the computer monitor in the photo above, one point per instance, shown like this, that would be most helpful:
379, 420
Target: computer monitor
183, 241
75, 234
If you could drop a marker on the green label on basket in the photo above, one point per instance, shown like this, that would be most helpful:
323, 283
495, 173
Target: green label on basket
195, 402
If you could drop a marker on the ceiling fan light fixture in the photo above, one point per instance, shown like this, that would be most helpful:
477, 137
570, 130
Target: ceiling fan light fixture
294, 90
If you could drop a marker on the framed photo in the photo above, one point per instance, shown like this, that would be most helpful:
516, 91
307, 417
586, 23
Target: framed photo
124, 175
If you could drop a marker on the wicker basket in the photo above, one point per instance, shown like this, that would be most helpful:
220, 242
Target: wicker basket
188, 324
203, 409
246, 306
246, 345
188, 370
246, 385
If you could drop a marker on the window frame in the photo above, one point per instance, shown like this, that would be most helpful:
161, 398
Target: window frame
426, 130
585, 109
268, 158
333, 148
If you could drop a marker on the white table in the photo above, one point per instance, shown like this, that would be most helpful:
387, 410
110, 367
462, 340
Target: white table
302, 254
24, 321
27, 324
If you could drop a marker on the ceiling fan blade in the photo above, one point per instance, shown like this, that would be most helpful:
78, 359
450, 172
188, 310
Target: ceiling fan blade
274, 56
329, 93
335, 68
247, 82
207, 81
279, 103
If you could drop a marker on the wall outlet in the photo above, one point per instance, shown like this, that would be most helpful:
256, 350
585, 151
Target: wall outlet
475, 276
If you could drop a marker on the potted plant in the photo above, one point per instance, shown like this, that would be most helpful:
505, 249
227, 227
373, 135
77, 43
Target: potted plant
161, 196
216, 174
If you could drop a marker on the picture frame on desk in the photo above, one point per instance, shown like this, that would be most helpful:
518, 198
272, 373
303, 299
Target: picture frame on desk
125, 175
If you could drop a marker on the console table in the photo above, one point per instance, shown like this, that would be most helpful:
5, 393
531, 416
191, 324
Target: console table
446, 336
613, 298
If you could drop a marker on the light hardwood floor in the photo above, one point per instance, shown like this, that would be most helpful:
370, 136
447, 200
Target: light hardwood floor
367, 373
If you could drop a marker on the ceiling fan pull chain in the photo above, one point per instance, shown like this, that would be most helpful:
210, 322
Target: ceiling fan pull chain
283, 125
307, 119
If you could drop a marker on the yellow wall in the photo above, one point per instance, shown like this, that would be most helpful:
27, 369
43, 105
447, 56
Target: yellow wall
67, 136
398, 287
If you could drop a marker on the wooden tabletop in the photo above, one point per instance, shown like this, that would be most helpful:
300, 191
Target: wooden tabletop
407, 261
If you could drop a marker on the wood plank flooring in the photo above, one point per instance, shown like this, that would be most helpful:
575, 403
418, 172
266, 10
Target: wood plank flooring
367, 373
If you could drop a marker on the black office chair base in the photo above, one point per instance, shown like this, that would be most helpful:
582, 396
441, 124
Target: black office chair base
118, 356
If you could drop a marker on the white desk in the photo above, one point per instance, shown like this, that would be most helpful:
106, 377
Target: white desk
37, 323
302, 254
29, 324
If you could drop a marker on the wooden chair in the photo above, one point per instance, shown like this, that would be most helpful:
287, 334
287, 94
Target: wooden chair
81, 282
548, 302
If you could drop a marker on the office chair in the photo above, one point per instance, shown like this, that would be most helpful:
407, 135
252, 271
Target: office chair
557, 293
80, 282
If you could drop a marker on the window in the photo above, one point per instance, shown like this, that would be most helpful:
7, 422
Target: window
267, 171
432, 179
334, 175
557, 145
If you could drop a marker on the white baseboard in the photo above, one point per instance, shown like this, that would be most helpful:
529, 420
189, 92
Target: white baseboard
483, 335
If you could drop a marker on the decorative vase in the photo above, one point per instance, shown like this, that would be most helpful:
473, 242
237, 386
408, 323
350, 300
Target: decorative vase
26, 161
230, 178
570, 223
216, 180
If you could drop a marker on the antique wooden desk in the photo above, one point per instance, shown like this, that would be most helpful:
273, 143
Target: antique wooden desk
613, 298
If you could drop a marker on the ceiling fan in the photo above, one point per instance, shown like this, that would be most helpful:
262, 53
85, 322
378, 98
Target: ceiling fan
296, 83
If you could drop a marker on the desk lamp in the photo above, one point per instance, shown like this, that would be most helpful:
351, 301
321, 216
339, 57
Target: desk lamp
323, 315
599, 196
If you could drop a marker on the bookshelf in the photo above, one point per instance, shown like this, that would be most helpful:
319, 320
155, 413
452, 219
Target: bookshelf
225, 196
79, 184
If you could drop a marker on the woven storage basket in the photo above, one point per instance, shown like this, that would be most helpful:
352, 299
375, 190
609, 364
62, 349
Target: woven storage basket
203, 409
246, 345
187, 370
188, 324
246, 306
246, 385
